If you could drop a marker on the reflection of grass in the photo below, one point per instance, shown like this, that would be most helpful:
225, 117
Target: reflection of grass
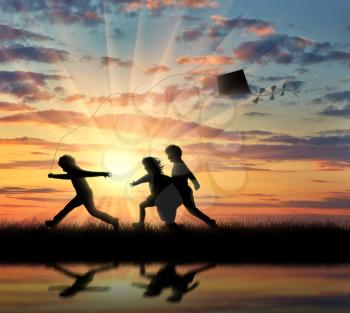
269, 242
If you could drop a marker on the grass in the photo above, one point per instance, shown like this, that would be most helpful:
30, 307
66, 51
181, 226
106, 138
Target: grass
234, 242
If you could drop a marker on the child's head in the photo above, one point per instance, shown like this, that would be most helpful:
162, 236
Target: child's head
153, 165
67, 162
174, 153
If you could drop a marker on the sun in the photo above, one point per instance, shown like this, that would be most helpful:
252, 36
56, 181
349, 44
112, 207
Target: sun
122, 164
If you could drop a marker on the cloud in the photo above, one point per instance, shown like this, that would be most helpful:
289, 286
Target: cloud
336, 132
66, 15
116, 61
259, 195
38, 78
277, 78
30, 53
332, 166
141, 124
332, 110
257, 114
42, 164
9, 106
10, 33
308, 58
316, 141
275, 152
191, 34
339, 96
156, 69
302, 70
223, 25
287, 139
156, 7
87, 13
205, 60
73, 98
295, 85
30, 86
191, 18
27, 91
9, 190
325, 203
117, 32
56, 117
284, 49
281, 49
45, 144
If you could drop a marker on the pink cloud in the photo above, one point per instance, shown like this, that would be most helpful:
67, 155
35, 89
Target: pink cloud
205, 59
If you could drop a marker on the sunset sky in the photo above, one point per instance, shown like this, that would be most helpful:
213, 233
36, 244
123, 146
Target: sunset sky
157, 60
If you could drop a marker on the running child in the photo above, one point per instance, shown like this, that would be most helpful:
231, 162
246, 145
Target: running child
163, 193
84, 195
180, 175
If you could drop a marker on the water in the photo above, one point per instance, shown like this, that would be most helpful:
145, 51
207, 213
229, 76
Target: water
113, 288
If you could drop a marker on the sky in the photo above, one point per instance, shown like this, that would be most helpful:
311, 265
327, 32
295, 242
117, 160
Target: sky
120, 80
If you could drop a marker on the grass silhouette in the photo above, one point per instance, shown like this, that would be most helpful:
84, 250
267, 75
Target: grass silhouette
231, 242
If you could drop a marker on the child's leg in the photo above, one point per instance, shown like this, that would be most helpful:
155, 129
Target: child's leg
91, 208
75, 202
149, 202
188, 202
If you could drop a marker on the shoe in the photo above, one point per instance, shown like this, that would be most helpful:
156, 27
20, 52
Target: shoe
115, 224
50, 223
212, 223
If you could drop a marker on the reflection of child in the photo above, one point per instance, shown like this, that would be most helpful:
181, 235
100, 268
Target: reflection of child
181, 174
84, 193
160, 186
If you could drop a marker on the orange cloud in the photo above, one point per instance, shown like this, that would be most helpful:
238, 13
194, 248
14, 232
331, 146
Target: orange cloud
156, 69
156, 6
73, 98
261, 31
9, 106
130, 123
205, 59
45, 144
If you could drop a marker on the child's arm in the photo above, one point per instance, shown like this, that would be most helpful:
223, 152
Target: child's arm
59, 176
143, 179
194, 180
83, 173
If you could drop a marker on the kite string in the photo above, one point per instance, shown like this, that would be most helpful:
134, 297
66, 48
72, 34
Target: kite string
132, 96
99, 107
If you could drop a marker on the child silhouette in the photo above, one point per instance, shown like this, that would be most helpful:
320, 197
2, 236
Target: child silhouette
84, 194
180, 175
161, 188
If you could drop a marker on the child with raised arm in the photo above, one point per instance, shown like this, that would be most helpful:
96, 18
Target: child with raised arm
163, 193
84, 194
180, 175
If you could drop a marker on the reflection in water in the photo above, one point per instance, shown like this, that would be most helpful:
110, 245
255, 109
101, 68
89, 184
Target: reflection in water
81, 280
168, 277
222, 289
